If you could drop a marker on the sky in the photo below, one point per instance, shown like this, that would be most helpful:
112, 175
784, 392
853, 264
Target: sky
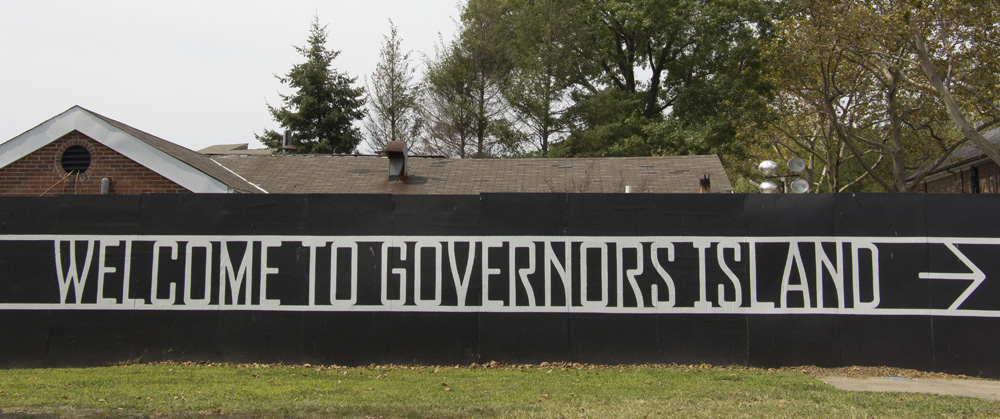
197, 73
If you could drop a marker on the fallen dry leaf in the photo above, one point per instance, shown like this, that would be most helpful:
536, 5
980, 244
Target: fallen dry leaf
447, 389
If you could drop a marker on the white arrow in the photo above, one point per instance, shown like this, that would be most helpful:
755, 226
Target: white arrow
976, 276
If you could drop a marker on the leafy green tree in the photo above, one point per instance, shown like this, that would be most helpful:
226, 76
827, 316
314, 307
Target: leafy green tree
543, 65
466, 83
392, 96
684, 70
324, 107
446, 106
601, 124
608, 77
808, 66
861, 93
955, 44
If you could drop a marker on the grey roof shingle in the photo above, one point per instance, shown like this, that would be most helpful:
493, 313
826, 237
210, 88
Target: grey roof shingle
969, 151
194, 159
242, 148
437, 176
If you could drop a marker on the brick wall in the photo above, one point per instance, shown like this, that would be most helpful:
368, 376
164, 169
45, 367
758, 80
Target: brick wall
948, 184
42, 170
987, 177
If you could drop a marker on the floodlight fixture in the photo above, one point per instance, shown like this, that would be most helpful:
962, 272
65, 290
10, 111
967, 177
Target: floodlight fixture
768, 187
799, 186
767, 167
770, 171
797, 165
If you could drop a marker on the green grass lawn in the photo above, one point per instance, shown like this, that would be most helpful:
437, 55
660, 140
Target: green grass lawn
554, 391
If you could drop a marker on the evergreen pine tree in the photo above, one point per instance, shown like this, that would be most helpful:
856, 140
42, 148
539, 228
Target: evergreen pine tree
322, 110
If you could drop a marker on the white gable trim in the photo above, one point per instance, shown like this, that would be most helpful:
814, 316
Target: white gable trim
79, 119
241, 177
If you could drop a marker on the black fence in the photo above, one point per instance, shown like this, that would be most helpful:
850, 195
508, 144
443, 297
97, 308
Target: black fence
829, 280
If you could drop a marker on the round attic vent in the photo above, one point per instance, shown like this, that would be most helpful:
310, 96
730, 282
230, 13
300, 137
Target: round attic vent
76, 159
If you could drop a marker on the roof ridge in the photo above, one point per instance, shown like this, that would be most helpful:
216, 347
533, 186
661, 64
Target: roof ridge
191, 158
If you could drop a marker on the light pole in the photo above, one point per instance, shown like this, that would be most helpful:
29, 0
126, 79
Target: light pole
769, 169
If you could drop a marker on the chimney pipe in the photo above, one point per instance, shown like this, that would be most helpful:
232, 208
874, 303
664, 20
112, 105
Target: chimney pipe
705, 184
397, 153
286, 143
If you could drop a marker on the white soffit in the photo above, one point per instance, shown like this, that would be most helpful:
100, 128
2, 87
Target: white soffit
79, 119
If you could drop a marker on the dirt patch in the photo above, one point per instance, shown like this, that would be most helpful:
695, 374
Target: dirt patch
866, 372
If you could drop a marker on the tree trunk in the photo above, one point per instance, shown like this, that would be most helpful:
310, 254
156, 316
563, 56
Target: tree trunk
954, 112
896, 150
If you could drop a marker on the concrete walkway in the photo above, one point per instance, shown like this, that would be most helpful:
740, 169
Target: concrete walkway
967, 388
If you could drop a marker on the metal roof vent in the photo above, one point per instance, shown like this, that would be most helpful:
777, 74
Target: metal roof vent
76, 159
286, 143
396, 151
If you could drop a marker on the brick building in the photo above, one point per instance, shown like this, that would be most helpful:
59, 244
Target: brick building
79, 152
967, 170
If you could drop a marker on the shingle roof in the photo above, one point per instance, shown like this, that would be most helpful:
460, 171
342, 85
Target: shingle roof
242, 148
437, 176
969, 152
194, 159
